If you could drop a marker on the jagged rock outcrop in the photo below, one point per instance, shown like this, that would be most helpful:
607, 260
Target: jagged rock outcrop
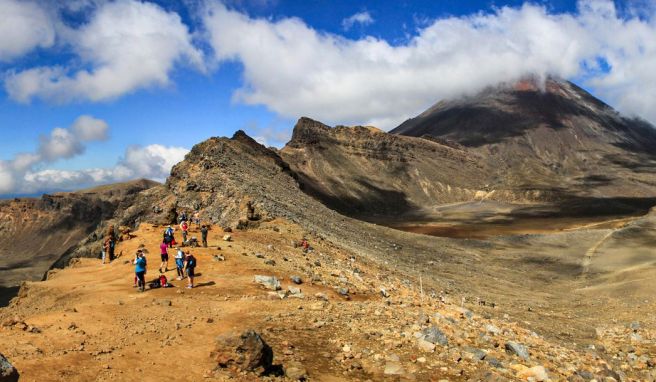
234, 182
364, 171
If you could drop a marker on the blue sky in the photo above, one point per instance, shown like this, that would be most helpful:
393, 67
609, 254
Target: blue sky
154, 78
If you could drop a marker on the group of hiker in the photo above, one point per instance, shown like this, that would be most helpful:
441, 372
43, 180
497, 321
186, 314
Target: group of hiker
169, 232
185, 262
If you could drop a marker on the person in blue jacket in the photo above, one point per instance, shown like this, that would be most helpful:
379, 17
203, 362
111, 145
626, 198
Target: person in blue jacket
140, 270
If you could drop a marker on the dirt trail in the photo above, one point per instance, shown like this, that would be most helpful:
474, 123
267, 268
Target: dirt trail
589, 254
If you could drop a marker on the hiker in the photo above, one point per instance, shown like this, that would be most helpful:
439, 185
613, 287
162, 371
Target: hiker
105, 250
168, 236
184, 227
197, 219
305, 245
189, 268
165, 257
179, 263
140, 270
203, 232
112, 246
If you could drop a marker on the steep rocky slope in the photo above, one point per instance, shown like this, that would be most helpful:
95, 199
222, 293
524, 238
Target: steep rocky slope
364, 171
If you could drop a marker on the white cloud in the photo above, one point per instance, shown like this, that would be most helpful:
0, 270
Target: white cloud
295, 70
25, 172
61, 143
362, 18
24, 26
87, 128
153, 161
127, 45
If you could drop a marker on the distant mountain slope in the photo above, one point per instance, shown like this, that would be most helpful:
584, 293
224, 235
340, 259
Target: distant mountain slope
559, 138
364, 171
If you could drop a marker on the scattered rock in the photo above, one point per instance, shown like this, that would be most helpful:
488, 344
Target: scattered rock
8, 372
227, 238
163, 302
492, 329
245, 352
270, 262
269, 282
426, 346
494, 362
536, 373
218, 258
393, 368
434, 336
296, 371
296, 280
517, 349
294, 290
384, 293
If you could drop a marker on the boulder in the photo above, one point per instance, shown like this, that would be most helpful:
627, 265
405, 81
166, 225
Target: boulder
8, 372
245, 352
517, 349
434, 336
296, 280
269, 282
227, 238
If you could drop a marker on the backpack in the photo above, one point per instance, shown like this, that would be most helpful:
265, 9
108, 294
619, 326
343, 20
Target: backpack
191, 263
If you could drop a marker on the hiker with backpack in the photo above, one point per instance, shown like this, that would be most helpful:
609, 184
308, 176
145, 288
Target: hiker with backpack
165, 257
190, 267
169, 239
140, 270
203, 233
179, 263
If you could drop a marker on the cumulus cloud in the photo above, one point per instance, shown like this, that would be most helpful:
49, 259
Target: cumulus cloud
362, 18
25, 173
24, 26
125, 46
368, 80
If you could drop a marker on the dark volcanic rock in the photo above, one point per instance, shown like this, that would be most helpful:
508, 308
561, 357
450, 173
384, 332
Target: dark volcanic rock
245, 352
8, 372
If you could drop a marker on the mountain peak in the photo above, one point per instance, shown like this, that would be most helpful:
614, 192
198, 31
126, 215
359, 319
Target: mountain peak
513, 110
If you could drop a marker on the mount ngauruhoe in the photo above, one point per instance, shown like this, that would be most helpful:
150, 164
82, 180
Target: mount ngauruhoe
550, 187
